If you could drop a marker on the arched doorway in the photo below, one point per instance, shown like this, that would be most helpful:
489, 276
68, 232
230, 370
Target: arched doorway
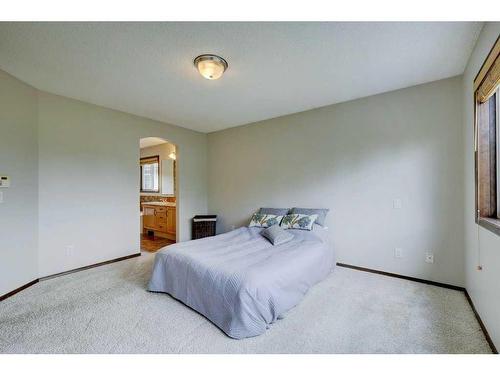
157, 193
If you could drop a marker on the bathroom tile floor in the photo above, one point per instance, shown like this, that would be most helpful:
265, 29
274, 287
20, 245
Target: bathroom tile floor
154, 243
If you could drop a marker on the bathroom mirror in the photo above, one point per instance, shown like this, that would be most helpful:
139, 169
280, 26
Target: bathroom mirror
167, 177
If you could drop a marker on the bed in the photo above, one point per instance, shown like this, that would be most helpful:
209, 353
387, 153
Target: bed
239, 280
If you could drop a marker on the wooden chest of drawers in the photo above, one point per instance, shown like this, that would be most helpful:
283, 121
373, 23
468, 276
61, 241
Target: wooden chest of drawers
160, 219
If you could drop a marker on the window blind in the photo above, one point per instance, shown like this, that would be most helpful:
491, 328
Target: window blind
488, 77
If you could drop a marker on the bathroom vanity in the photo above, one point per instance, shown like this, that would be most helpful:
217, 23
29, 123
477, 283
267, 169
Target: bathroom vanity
160, 218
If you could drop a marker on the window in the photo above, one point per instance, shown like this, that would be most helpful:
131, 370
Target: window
150, 174
487, 141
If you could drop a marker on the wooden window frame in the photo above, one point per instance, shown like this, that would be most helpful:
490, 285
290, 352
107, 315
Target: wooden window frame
151, 160
486, 144
497, 97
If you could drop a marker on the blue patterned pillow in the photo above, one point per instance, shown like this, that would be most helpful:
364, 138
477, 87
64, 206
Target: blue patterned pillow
264, 220
321, 212
298, 221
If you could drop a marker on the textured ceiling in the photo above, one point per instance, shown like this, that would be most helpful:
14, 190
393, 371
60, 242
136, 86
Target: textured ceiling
274, 68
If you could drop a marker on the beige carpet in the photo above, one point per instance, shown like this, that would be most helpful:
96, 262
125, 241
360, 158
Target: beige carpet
108, 310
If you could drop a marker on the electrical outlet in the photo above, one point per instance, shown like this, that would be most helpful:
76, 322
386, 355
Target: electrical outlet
429, 257
397, 204
398, 252
70, 250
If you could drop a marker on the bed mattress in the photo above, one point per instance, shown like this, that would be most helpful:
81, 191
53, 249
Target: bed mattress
239, 280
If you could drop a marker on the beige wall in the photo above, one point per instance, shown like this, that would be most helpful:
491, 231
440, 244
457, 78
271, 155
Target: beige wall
18, 159
482, 246
356, 158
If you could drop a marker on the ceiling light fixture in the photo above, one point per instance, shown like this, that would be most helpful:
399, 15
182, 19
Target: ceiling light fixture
210, 66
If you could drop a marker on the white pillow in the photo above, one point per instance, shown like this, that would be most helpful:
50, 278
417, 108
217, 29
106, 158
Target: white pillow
298, 221
264, 220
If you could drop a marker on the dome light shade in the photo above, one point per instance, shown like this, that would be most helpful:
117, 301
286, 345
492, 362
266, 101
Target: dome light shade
210, 66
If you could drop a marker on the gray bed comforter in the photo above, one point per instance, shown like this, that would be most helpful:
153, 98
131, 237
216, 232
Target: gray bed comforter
239, 280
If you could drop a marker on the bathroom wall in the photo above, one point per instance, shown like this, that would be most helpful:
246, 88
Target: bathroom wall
163, 151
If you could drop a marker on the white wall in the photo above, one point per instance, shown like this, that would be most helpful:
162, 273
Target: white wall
89, 190
483, 286
355, 158
18, 159
75, 182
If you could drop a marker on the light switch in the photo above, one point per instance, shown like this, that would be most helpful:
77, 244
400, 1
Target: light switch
397, 204
4, 181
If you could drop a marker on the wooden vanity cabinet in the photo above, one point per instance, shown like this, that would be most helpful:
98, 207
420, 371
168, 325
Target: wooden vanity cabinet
160, 219
171, 216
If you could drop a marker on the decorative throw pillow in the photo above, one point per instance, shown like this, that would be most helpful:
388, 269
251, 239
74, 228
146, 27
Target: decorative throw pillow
277, 235
321, 212
298, 221
264, 220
